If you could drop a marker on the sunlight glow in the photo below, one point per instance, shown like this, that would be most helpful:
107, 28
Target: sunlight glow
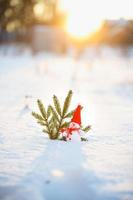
83, 27
85, 17
81, 21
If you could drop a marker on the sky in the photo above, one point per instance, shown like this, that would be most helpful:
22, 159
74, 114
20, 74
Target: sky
103, 9
86, 16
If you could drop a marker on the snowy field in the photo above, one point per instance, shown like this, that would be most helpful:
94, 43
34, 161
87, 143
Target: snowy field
35, 168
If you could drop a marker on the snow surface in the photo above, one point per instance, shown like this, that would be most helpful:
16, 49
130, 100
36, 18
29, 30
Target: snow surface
35, 168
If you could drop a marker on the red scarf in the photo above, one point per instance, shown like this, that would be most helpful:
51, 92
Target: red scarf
69, 130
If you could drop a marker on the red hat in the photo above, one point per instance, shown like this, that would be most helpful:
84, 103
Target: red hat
77, 115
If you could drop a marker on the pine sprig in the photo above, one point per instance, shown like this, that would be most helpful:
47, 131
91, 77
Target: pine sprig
67, 103
53, 123
48, 111
42, 119
65, 125
42, 109
37, 116
54, 113
69, 115
42, 123
45, 131
64, 112
57, 105
54, 118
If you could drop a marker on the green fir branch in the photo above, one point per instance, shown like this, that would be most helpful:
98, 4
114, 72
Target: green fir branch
42, 123
42, 120
45, 131
48, 111
54, 118
37, 116
54, 113
65, 125
57, 105
42, 109
65, 109
67, 103
54, 123
70, 114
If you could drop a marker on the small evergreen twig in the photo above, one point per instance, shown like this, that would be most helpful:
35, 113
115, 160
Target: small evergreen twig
67, 103
53, 118
64, 112
43, 118
57, 104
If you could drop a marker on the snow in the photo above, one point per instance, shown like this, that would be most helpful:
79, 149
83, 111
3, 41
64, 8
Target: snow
33, 167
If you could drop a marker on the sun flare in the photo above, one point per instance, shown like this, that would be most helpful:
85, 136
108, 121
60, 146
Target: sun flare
86, 16
80, 22
81, 28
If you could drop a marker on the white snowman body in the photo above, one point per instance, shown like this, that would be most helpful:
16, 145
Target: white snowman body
76, 134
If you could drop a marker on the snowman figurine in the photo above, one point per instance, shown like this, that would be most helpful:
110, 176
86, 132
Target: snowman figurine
74, 130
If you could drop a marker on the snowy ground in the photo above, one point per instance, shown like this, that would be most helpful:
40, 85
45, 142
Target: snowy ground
35, 168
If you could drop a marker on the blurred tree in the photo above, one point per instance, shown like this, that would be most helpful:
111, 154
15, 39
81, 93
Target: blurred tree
16, 13
114, 33
23, 13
